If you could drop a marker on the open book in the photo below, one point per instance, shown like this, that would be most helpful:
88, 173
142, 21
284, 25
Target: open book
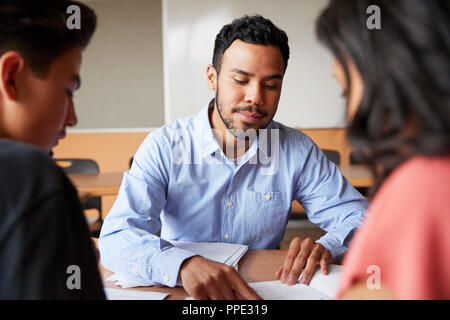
321, 287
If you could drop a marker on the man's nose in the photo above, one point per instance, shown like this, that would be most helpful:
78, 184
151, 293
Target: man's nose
71, 119
254, 95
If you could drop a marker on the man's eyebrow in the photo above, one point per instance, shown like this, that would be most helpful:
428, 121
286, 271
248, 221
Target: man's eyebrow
76, 78
245, 73
240, 71
275, 76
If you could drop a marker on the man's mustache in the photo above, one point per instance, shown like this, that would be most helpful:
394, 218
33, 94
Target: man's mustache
251, 110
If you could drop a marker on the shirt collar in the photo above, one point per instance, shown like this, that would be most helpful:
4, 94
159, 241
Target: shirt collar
206, 137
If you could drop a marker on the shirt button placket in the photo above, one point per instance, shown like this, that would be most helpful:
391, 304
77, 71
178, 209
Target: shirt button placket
227, 218
230, 207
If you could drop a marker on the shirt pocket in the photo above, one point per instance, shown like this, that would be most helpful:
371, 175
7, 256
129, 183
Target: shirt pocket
267, 218
267, 199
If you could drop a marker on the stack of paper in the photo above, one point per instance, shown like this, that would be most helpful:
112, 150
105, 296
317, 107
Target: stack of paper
122, 294
321, 287
226, 253
275, 290
127, 281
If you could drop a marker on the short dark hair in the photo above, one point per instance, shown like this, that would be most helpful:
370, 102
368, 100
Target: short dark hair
250, 29
405, 68
38, 30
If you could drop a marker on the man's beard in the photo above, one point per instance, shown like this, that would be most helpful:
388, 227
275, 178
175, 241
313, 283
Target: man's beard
239, 133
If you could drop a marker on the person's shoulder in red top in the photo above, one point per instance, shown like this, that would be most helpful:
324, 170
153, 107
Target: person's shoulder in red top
404, 241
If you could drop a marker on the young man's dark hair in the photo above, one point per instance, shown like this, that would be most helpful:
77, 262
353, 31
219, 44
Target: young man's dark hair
45, 249
38, 30
250, 29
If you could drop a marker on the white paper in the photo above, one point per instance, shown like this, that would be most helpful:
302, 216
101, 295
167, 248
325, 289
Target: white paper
321, 287
275, 290
124, 294
129, 282
227, 253
327, 284
233, 260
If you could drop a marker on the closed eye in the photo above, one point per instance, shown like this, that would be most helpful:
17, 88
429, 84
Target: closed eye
271, 87
240, 81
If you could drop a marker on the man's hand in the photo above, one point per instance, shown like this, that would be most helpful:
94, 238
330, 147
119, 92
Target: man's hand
303, 254
205, 279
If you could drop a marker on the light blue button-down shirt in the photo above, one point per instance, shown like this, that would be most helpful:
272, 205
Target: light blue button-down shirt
182, 183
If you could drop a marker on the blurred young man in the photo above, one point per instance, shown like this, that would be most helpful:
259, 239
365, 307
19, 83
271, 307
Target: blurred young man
45, 249
229, 174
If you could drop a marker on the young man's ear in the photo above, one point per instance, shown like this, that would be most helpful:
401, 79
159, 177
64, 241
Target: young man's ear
11, 64
211, 77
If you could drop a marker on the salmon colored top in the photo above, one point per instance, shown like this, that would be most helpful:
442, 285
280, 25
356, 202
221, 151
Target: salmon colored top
405, 236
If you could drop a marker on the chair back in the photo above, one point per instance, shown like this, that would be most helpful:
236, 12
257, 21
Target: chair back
80, 166
333, 156
354, 159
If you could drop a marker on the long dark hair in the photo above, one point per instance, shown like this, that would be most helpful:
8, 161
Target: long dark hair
405, 67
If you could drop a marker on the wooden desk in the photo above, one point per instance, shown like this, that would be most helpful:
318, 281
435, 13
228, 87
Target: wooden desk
255, 266
97, 185
83, 196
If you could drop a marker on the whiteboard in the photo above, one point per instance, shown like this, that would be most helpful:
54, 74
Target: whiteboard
310, 96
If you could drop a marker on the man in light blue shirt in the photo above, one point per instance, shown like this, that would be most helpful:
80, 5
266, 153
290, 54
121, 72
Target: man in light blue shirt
229, 174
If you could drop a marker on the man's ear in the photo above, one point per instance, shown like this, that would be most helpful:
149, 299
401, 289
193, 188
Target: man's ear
11, 64
211, 76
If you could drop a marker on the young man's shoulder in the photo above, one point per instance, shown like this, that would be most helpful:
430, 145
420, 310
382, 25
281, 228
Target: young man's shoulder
25, 166
21, 155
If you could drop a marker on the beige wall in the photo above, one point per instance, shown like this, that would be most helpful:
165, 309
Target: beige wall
122, 71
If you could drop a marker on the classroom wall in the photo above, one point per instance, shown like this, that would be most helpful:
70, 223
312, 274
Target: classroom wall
147, 61
310, 96
122, 72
